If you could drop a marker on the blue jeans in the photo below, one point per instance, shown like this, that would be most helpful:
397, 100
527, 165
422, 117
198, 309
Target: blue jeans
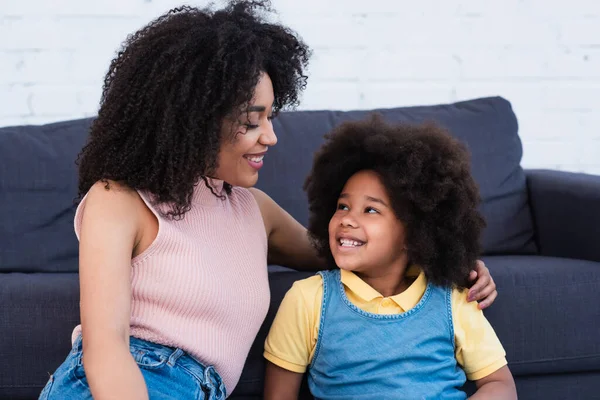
169, 374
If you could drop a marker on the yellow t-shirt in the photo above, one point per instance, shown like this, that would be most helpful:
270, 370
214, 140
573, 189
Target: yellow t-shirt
293, 336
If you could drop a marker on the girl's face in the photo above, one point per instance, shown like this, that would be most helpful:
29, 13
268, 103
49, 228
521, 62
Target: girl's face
251, 135
365, 236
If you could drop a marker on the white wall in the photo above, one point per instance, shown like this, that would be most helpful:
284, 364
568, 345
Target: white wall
542, 55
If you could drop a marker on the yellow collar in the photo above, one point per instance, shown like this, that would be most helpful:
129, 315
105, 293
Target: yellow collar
405, 300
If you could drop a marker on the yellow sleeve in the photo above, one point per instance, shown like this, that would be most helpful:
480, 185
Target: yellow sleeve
292, 338
478, 349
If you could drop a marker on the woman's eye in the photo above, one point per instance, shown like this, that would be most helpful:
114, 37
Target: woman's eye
271, 117
251, 126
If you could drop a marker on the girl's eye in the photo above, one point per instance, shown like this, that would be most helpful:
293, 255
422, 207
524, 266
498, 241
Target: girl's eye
271, 117
251, 126
371, 210
342, 207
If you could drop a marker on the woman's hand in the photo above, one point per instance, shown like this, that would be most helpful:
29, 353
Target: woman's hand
484, 289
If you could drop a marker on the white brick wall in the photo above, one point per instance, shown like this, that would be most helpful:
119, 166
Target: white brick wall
544, 56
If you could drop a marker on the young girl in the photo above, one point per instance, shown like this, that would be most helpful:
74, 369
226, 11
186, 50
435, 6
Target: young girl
394, 208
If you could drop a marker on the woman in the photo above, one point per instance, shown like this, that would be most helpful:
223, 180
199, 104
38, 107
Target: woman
174, 242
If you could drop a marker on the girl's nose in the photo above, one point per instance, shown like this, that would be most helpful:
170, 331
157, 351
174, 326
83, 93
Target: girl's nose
348, 221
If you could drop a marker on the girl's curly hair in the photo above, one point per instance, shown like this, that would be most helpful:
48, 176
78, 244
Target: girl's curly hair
170, 87
427, 175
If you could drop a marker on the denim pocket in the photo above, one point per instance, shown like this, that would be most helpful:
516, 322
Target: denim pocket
68, 381
146, 358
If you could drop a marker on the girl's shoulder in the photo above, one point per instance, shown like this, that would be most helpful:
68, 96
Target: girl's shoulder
309, 291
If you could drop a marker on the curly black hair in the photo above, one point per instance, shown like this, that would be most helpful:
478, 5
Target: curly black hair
169, 89
426, 173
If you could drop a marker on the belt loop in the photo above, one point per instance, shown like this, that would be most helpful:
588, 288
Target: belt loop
174, 357
208, 378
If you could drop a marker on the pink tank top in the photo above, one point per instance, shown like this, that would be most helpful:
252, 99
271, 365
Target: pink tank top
202, 285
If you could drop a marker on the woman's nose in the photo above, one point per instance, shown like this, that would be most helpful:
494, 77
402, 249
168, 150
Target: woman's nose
268, 136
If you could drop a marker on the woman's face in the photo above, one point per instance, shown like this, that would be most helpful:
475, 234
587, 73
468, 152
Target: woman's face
247, 139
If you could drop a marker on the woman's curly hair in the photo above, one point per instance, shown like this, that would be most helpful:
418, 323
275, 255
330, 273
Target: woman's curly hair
169, 89
427, 176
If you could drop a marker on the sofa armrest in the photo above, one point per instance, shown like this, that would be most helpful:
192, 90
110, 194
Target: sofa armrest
566, 213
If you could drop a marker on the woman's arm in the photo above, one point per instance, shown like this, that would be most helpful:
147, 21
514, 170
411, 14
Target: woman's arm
109, 233
281, 384
288, 240
499, 385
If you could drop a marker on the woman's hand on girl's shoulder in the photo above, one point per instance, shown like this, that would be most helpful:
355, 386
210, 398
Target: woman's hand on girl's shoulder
484, 290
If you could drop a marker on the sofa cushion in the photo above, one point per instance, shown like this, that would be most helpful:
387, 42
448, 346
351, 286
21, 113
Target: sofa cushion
37, 315
546, 316
489, 128
38, 186
547, 313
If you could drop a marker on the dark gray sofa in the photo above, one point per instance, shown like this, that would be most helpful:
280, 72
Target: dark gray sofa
542, 245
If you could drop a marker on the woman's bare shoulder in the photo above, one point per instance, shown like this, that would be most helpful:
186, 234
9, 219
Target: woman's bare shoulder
112, 201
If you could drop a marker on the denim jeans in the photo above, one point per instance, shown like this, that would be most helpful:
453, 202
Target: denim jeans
169, 374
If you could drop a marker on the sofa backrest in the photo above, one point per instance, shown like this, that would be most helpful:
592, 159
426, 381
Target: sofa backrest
38, 177
38, 187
